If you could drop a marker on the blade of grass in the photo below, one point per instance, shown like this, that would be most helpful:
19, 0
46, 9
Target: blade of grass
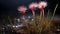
54, 12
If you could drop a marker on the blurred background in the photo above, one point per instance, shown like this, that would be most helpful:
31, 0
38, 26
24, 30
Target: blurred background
9, 12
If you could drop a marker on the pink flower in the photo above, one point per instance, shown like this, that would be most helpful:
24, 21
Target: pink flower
33, 6
42, 5
22, 9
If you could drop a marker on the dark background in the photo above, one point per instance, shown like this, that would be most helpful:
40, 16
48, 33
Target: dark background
9, 7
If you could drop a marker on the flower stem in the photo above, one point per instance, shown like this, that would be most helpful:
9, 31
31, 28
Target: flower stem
34, 23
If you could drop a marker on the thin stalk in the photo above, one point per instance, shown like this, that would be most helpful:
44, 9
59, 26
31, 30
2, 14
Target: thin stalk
34, 23
41, 14
41, 21
54, 12
48, 13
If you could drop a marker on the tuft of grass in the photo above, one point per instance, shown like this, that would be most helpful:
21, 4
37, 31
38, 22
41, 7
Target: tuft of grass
40, 24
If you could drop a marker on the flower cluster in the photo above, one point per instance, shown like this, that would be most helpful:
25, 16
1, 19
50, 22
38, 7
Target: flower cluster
42, 5
22, 9
33, 6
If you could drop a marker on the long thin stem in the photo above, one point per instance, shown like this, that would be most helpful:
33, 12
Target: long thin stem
41, 20
41, 14
54, 12
34, 20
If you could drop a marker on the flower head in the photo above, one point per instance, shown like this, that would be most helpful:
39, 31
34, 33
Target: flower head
22, 9
33, 6
42, 5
